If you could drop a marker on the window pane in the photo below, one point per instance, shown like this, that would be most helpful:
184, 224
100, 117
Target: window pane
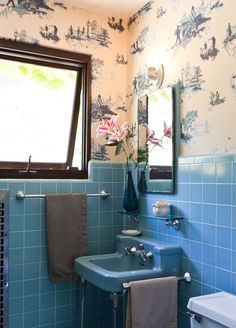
36, 111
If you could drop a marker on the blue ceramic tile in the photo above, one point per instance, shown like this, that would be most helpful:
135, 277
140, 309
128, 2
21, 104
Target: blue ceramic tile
16, 239
16, 318
209, 255
31, 303
16, 272
47, 316
15, 290
209, 173
196, 173
196, 192
31, 319
208, 274
16, 256
15, 306
223, 280
32, 206
106, 175
31, 271
183, 191
234, 261
31, 254
223, 258
209, 213
223, 171
209, 234
62, 298
32, 238
64, 187
209, 193
196, 212
17, 207
224, 194
224, 215
31, 287
195, 250
16, 223
195, 231
183, 173
195, 270
223, 237
32, 188
78, 187
48, 188
233, 231
32, 222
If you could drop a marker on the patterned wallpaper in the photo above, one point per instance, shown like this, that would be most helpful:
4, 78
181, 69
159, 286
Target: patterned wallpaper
195, 41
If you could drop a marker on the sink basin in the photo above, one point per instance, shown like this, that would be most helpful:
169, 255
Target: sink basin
110, 271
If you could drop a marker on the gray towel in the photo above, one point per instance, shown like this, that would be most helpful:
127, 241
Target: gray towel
66, 217
152, 303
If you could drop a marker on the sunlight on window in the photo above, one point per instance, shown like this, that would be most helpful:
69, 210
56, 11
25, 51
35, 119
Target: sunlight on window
36, 112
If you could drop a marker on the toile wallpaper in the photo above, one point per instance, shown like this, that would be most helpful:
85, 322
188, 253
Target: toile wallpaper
195, 41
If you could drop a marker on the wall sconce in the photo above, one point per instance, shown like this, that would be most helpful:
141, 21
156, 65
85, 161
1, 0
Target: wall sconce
156, 74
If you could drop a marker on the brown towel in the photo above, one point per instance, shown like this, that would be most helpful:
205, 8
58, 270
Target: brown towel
152, 303
66, 217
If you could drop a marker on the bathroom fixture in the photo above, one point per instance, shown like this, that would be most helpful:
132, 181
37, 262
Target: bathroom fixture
212, 311
139, 251
21, 195
170, 220
110, 271
186, 278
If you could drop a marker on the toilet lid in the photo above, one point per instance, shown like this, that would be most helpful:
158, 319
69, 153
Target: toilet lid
219, 307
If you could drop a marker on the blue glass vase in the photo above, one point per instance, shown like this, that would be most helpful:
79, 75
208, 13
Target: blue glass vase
142, 184
130, 200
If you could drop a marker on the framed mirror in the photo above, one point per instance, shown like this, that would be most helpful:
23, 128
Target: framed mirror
157, 148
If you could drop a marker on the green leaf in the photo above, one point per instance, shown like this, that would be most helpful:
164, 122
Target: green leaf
118, 148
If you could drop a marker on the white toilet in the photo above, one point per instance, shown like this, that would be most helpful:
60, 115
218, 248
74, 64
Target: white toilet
213, 311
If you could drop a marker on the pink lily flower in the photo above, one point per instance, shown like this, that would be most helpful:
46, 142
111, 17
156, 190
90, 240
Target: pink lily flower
167, 130
106, 126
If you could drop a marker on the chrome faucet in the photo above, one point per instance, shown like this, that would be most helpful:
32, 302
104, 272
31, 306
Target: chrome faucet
138, 250
133, 249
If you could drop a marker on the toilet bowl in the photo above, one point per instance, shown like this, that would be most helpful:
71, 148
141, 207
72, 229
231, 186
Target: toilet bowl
212, 311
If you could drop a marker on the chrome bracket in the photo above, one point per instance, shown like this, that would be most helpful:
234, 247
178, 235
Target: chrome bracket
174, 223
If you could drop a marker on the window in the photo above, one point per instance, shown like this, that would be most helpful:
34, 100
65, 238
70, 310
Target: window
44, 111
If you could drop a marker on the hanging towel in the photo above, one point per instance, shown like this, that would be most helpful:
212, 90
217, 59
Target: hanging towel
66, 219
152, 303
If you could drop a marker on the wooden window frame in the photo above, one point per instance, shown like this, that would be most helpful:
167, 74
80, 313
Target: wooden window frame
81, 63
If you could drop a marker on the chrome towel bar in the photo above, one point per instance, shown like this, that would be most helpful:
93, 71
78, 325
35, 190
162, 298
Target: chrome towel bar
21, 195
186, 278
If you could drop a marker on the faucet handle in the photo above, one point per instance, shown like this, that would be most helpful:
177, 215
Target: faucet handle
140, 247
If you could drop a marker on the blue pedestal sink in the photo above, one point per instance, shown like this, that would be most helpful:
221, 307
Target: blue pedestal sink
110, 271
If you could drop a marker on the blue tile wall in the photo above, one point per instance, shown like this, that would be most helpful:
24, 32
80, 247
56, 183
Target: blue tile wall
33, 300
206, 198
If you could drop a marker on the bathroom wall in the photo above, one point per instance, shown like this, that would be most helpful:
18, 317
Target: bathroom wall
206, 185
33, 300
206, 200
195, 41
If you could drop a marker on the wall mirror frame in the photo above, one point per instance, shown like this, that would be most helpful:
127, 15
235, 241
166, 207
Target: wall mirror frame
158, 140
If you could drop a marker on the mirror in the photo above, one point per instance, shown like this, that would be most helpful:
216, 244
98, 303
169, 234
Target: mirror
156, 140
